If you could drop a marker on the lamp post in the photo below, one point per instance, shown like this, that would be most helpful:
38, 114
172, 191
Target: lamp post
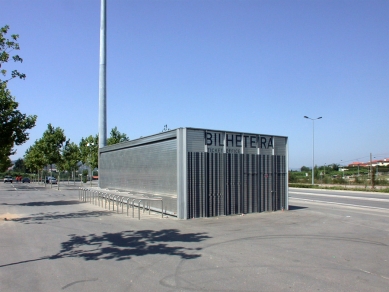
90, 160
313, 147
376, 165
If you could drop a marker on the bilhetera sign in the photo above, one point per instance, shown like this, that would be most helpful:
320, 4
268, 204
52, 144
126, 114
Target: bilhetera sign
235, 143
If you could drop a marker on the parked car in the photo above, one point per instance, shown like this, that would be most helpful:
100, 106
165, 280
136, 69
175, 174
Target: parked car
8, 178
51, 180
26, 180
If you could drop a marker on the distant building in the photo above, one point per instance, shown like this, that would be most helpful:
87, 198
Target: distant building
379, 162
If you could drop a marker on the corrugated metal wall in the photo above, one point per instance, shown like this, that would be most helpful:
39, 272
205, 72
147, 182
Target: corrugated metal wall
150, 168
227, 184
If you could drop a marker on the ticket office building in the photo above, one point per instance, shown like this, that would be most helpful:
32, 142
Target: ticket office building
201, 172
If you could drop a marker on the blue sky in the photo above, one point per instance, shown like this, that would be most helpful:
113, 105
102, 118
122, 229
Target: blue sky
249, 66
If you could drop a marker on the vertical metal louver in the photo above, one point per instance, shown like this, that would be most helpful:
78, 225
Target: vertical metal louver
227, 184
215, 182
233, 183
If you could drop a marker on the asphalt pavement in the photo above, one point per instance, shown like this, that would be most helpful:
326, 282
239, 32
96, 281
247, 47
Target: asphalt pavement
348, 198
52, 242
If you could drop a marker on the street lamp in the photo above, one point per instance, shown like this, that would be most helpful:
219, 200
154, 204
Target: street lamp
313, 146
90, 160
358, 167
376, 165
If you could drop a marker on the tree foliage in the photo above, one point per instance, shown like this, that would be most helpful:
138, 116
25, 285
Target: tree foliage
5, 162
53, 148
116, 137
19, 165
34, 158
89, 146
7, 46
51, 144
305, 169
334, 166
89, 149
71, 156
14, 124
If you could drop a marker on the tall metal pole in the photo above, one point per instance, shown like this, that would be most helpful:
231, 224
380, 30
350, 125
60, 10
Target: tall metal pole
371, 171
313, 152
103, 77
313, 147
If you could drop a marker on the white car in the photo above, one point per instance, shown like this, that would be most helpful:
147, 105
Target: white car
51, 180
8, 178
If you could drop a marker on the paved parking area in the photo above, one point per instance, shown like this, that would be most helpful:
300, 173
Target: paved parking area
52, 242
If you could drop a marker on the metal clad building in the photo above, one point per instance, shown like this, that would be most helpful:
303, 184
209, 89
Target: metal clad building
200, 172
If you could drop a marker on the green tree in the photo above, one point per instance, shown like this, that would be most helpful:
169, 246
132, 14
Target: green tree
89, 148
6, 47
19, 166
116, 137
51, 144
61, 162
34, 159
305, 169
5, 162
71, 156
334, 166
14, 124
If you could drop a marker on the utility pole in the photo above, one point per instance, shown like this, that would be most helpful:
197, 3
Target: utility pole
103, 77
313, 147
371, 172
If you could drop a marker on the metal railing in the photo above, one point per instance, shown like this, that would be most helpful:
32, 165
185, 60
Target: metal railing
102, 198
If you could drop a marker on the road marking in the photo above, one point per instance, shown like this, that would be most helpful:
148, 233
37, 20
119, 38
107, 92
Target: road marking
340, 196
343, 204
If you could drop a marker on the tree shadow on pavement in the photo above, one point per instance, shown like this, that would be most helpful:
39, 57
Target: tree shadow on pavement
126, 244
44, 203
291, 207
42, 218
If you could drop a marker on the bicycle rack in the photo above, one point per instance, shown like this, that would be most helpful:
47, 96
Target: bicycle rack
114, 200
102, 198
109, 201
98, 198
127, 200
84, 194
118, 202
105, 200
93, 197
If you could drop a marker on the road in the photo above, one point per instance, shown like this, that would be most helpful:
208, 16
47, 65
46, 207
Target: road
347, 198
52, 242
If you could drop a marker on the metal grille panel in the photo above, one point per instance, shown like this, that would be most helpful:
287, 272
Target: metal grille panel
227, 184
148, 168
